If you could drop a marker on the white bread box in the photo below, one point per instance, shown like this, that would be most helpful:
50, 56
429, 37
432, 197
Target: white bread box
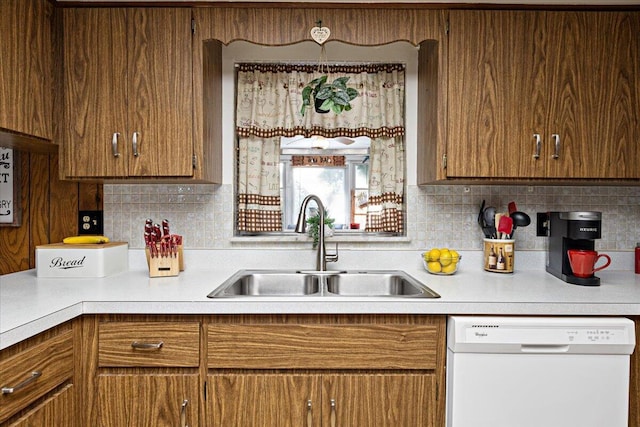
86, 260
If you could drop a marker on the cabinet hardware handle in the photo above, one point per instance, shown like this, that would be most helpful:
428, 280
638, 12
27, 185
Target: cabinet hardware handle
538, 145
114, 144
556, 153
134, 144
147, 345
10, 390
183, 413
309, 417
333, 413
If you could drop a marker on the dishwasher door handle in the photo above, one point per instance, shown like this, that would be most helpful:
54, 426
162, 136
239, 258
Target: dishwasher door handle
544, 348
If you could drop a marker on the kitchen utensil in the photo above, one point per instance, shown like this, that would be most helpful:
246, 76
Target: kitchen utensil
481, 215
505, 227
520, 219
486, 229
583, 262
490, 220
512, 207
496, 224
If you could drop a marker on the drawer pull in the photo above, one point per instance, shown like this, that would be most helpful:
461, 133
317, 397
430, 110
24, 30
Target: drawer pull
10, 390
536, 136
134, 144
183, 413
333, 413
556, 153
147, 345
114, 144
309, 414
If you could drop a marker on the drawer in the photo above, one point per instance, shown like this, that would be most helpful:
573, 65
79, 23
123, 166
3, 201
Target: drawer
34, 372
320, 346
153, 344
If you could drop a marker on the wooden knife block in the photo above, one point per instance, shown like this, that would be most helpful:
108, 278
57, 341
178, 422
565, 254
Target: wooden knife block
165, 266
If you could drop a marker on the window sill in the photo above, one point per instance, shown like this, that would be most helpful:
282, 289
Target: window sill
338, 237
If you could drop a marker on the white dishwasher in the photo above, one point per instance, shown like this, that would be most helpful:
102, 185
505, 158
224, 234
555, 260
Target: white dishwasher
538, 371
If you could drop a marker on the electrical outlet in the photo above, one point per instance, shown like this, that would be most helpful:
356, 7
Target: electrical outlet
91, 222
542, 224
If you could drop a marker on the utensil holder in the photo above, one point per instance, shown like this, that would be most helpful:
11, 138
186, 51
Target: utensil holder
499, 255
162, 266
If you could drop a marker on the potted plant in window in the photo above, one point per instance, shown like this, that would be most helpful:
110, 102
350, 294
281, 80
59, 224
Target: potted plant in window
314, 221
335, 96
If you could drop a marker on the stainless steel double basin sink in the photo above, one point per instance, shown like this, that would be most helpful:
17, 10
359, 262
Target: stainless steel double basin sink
335, 284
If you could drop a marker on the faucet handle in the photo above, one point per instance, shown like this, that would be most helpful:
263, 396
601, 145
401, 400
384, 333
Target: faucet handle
332, 257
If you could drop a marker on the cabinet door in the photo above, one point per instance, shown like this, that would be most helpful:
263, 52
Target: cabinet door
57, 411
147, 400
95, 63
379, 400
496, 93
160, 93
593, 102
26, 71
128, 82
264, 400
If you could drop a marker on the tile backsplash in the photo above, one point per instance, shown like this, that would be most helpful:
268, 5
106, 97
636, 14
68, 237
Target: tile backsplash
437, 215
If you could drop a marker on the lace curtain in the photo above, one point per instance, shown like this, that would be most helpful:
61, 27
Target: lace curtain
269, 98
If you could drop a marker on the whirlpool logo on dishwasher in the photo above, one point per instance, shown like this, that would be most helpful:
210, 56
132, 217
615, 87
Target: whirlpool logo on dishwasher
61, 264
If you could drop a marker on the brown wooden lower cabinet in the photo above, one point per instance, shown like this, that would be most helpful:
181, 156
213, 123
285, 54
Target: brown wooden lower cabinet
58, 410
148, 400
37, 377
326, 371
346, 400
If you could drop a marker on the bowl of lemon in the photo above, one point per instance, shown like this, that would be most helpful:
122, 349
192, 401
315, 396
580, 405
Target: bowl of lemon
441, 261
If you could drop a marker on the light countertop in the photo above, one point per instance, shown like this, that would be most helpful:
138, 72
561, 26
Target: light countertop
30, 305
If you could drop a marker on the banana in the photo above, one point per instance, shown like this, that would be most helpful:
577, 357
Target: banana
85, 240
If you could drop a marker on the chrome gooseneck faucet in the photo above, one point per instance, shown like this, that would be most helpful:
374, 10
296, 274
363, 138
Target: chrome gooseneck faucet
323, 257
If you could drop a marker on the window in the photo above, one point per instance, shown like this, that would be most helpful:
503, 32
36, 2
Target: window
357, 187
342, 188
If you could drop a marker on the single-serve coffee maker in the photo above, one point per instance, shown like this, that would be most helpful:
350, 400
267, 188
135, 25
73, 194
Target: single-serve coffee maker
571, 240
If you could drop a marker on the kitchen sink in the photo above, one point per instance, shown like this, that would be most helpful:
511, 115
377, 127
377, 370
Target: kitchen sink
270, 284
331, 284
386, 284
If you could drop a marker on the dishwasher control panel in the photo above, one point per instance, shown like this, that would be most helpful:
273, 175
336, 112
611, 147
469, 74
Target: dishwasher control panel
540, 335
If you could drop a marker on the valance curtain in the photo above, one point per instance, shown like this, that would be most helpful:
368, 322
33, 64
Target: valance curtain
269, 98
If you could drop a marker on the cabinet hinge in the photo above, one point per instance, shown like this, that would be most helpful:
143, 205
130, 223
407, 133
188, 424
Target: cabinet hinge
193, 26
446, 27
444, 161
194, 161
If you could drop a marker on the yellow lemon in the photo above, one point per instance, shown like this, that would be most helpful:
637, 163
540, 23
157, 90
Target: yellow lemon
434, 266
455, 256
449, 268
433, 255
445, 258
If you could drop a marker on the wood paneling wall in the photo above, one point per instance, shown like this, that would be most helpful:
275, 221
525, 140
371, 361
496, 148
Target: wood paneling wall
49, 210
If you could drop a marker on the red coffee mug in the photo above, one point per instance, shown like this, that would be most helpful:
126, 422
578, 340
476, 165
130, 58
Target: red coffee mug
583, 262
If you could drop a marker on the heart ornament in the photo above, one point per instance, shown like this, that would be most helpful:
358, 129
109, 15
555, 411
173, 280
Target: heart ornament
320, 34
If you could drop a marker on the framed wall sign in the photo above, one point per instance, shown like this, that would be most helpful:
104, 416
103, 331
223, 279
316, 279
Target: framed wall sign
10, 212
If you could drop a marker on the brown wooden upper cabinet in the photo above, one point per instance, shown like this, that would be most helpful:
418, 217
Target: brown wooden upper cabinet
537, 94
128, 93
26, 67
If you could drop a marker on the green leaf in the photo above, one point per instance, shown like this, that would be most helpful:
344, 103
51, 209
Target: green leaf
341, 98
327, 104
352, 93
324, 93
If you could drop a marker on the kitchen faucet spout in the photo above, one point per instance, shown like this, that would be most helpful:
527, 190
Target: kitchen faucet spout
322, 256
